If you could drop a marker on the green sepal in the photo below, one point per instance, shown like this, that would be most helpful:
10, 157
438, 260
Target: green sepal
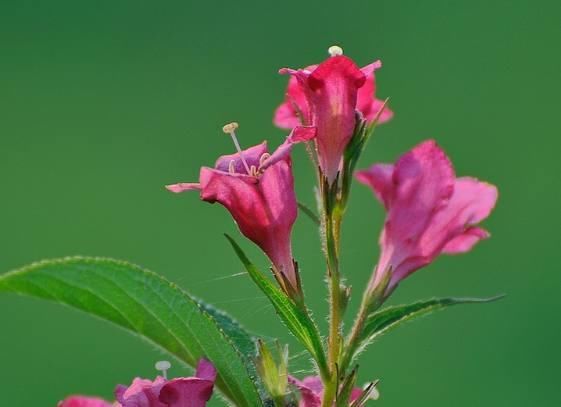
295, 316
346, 388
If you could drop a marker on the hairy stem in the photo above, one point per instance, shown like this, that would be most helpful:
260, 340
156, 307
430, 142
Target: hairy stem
371, 301
352, 341
331, 228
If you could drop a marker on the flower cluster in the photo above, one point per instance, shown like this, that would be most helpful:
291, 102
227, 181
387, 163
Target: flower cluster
333, 109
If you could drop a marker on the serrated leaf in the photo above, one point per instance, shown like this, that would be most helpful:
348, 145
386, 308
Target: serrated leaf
296, 320
244, 342
146, 304
381, 321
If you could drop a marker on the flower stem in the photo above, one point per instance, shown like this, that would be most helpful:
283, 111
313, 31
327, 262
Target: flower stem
352, 341
371, 301
331, 226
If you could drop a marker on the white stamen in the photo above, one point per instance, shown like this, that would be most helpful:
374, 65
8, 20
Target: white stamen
163, 366
231, 167
230, 129
335, 50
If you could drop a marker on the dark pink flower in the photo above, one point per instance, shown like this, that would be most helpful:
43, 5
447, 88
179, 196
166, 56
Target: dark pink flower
82, 401
258, 190
311, 391
327, 96
429, 210
179, 392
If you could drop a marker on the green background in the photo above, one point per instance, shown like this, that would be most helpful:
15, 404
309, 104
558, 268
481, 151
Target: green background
102, 103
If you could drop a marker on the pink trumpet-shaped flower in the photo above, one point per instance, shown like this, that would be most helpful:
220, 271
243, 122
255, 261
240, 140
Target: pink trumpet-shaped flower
83, 401
311, 391
257, 188
179, 392
327, 96
429, 211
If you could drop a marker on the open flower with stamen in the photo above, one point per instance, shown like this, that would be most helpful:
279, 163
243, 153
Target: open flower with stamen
257, 188
179, 392
429, 211
160, 392
328, 96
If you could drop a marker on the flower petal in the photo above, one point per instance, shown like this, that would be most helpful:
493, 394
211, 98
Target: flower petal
367, 92
264, 208
369, 69
301, 75
424, 184
83, 401
184, 186
371, 110
357, 392
338, 65
277, 188
464, 242
285, 116
251, 155
206, 370
298, 135
471, 203
379, 177
240, 195
367, 103
479, 197
141, 393
309, 397
186, 392
295, 110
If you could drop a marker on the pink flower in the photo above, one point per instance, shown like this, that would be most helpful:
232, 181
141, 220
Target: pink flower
429, 210
311, 391
141, 393
179, 392
258, 190
327, 96
82, 401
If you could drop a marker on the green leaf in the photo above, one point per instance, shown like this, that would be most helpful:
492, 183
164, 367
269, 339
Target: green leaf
297, 320
381, 321
146, 304
244, 342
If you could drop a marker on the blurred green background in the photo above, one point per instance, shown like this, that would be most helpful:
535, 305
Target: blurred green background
102, 103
